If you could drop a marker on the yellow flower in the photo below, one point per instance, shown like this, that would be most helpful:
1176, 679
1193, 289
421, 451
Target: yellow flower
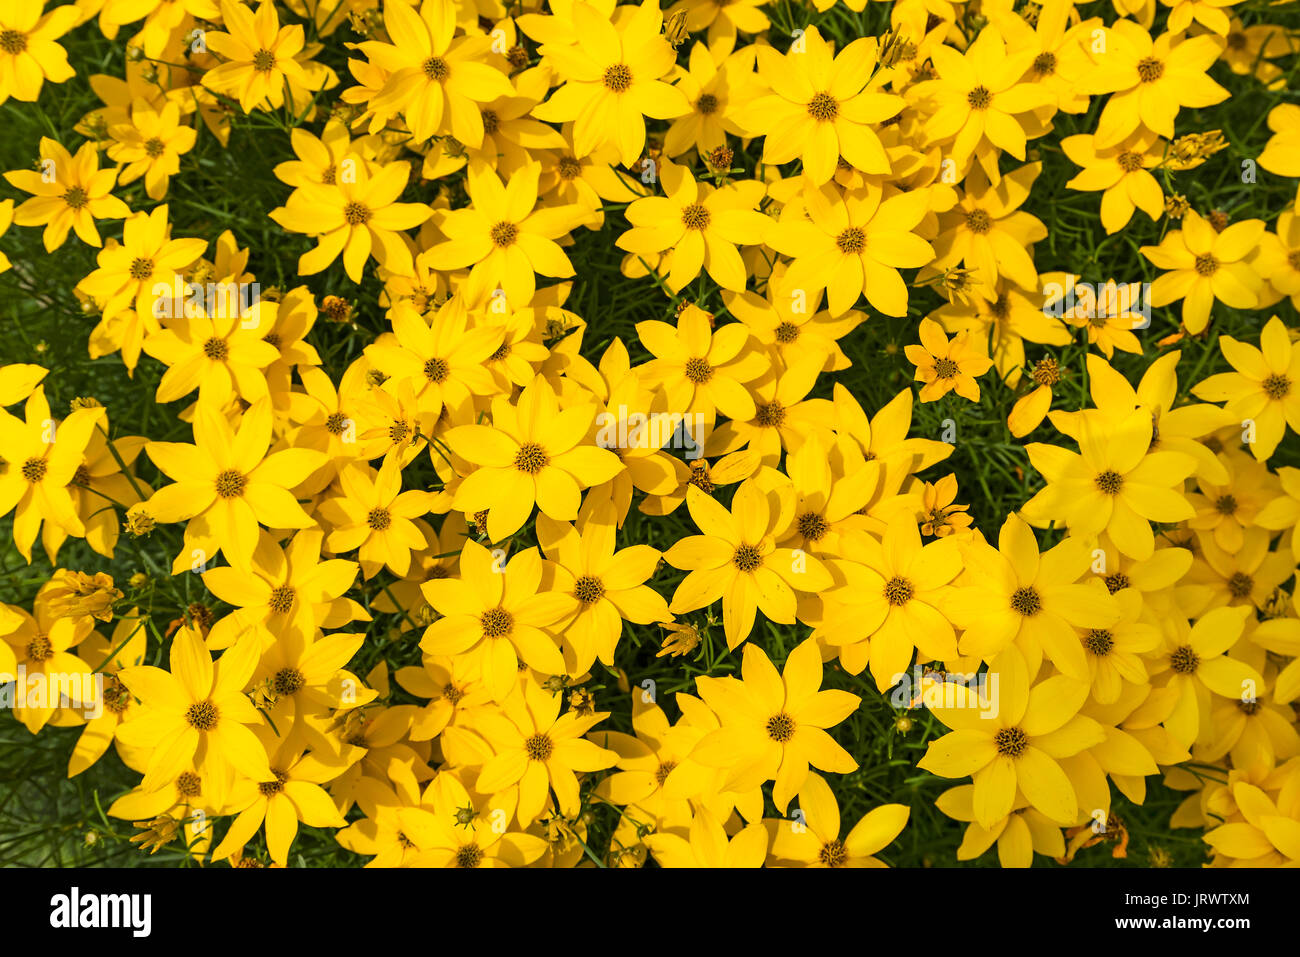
822, 106
701, 225
1120, 173
1018, 748
701, 368
70, 192
773, 725
707, 844
151, 145
533, 453
814, 839
376, 516
28, 54
259, 55
947, 365
1282, 152
1264, 391
227, 485
221, 357
1205, 265
147, 260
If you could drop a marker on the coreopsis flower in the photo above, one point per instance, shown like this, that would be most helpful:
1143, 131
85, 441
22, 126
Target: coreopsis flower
1266, 835
533, 454
1115, 483
1018, 748
1120, 173
42, 457
715, 85
701, 368
227, 485
814, 840
1282, 152
1225, 510
221, 357
68, 193
1208, 13
853, 244
736, 559
980, 104
539, 749
613, 77
46, 648
504, 238
1150, 80
294, 794
946, 365
773, 724
198, 704
496, 613
259, 57
1205, 265
1014, 595
1278, 260
940, 515
822, 106
707, 844
1264, 389
701, 225
151, 145
358, 217
435, 81
131, 274
1020, 835
375, 516
1010, 319
29, 54
114, 703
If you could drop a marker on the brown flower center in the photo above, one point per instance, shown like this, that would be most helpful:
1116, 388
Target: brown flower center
379, 519
747, 558
496, 622
1011, 742
202, 715
1026, 601
979, 222
979, 98
538, 747
230, 483
618, 78
1184, 660
216, 349
531, 458
436, 69
698, 370
1109, 482
1150, 69
823, 107
504, 234
780, 727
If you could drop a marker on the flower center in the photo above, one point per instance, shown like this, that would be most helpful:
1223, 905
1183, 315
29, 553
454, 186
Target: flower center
288, 681
470, 855
496, 622
945, 368
141, 268
155, 147
769, 415
707, 104
588, 589
76, 197
379, 519
695, 216
1129, 161
1150, 69
281, 599
852, 241
1184, 660
1277, 386
216, 349
230, 484
436, 370
40, 649
1116, 582
1109, 482
1026, 602
13, 42
1099, 641
780, 727
188, 784
979, 222
1047, 372
268, 788
898, 591
202, 715
698, 371
531, 458
1206, 265
436, 68
979, 98
1011, 742
539, 747
356, 214
822, 107
833, 854
504, 234
263, 61
569, 167
812, 526
34, 469
1225, 505
336, 424
491, 122
786, 333
1241, 585
1045, 64
618, 78
661, 773
747, 558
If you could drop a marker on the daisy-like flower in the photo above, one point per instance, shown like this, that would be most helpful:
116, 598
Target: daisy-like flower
1205, 265
980, 102
1282, 152
822, 106
539, 749
706, 843
358, 217
1150, 80
1264, 391
613, 79
814, 840
69, 193
854, 244
892, 601
701, 225
701, 368
151, 145
29, 54
715, 85
505, 238
132, 273
1120, 173
1020, 747
494, 614
221, 357
376, 516
227, 485
773, 724
533, 453
198, 704
1015, 595
435, 82
259, 54
736, 559
46, 649
42, 458
946, 365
